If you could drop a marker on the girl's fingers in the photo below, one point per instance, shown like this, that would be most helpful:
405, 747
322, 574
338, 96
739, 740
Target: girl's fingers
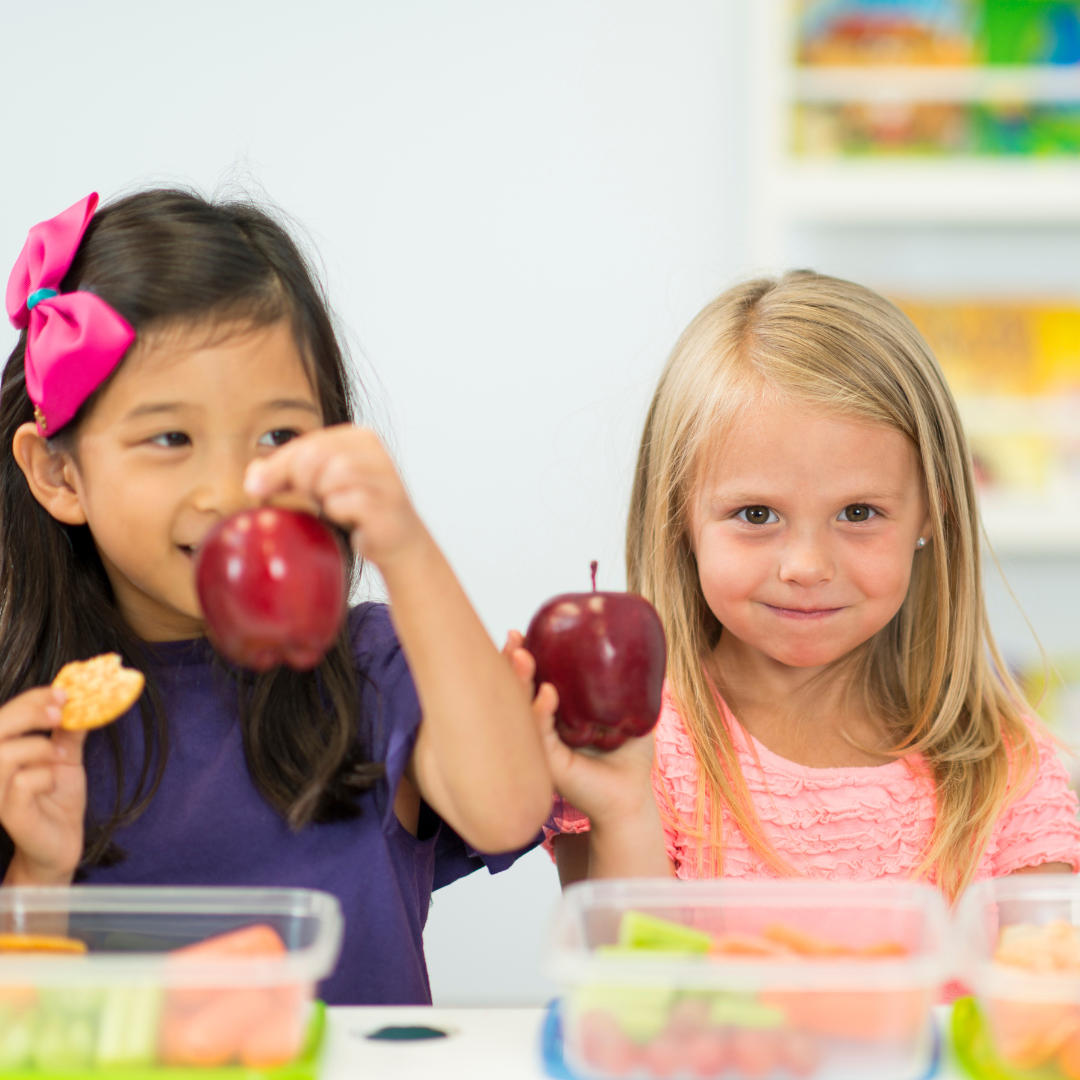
33, 783
346, 508
524, 668
300, 463
36, 710
68, 745
546, 703
18, 754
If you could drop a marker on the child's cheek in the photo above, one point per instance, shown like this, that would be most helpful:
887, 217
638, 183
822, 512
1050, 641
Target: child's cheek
729, 576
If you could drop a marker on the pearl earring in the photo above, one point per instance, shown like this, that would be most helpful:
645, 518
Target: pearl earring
921, 542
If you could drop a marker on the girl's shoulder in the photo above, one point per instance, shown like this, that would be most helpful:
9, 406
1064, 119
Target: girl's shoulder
375, 646
390, 708
1039, 822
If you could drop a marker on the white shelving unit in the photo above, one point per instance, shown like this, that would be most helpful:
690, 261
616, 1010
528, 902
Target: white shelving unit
788, 192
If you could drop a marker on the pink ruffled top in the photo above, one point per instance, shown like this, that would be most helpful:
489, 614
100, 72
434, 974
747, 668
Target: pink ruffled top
855, 823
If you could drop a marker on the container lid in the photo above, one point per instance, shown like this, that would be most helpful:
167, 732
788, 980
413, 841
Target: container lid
132, 930
987, 906
859, 914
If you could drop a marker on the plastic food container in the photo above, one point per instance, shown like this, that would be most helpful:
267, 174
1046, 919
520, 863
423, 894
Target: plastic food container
1030, 1017
178, 979
649, 999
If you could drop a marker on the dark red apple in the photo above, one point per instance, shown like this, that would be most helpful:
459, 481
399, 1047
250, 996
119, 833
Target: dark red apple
605, 653
272, 587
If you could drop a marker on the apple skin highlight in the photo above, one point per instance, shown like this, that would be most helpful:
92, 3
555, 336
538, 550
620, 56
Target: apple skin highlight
605, 653
271, 583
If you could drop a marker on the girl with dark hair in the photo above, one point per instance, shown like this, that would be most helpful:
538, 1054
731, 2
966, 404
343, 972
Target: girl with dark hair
178, 363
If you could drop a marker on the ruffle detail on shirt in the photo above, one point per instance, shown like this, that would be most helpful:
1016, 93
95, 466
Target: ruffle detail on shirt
1041, 826
564, 819
856, 824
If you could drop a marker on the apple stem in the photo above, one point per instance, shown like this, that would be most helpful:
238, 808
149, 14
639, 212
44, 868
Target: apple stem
592, 570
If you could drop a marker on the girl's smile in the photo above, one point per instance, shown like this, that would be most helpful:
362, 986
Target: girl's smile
800, 613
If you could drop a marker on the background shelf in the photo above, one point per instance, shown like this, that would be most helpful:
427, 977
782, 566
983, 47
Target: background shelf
926, 189
1000, 84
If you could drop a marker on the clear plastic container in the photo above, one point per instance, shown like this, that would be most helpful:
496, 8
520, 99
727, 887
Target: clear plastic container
667, 1013
140, 997
1031, 1017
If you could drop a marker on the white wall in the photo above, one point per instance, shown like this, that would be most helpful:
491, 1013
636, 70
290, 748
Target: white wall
518, 205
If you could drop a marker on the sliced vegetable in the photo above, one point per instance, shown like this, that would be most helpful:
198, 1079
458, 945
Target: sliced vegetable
128, 1029
640, 931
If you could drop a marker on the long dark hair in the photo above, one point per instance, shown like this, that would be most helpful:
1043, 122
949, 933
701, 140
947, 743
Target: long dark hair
171, 257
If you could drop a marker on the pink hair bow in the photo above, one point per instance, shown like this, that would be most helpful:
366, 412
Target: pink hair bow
73, 340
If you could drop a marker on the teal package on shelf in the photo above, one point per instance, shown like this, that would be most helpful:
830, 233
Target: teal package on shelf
1031, 31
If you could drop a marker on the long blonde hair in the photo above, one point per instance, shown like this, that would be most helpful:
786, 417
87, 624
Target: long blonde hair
933, 676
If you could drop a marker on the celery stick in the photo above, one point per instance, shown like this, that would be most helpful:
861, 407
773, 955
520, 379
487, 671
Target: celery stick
640, 931
16, 1040
128, 1031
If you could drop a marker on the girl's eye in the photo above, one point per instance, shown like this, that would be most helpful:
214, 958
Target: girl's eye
171, 439
278, 437
757, 515
857, 512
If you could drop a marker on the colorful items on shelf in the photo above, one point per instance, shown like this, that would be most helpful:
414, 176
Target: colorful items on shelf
1015, 370
892, 33
855, 128
1031, 31
876, 32
887, 32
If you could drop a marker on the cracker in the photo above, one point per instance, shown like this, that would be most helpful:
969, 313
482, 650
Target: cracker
40, 943
98, 691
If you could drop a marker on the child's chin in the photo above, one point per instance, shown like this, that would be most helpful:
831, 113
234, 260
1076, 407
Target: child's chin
807, 656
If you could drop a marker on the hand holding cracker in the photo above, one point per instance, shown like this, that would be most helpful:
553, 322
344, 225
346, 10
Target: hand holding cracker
42, 781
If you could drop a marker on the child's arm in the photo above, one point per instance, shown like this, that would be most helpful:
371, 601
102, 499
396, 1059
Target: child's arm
42, 789
478, 760
614, 789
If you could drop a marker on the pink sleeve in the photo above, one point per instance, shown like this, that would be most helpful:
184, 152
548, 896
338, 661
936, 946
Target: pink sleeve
564, 819
1041, 826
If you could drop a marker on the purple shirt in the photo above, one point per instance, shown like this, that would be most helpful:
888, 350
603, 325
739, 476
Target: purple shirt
208, 825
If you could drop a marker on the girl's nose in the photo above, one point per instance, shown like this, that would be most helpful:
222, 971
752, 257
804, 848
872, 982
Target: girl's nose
221, 489
806, 561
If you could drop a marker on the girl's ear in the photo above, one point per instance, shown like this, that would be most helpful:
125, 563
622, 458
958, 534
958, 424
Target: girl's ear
50, 474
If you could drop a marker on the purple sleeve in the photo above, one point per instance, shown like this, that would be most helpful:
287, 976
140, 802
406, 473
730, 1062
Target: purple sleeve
391, 711
389, 707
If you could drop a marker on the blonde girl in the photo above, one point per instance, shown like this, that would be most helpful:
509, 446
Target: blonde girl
804, 519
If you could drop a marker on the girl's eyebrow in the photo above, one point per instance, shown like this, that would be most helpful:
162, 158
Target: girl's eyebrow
745, 498
157, 408
152, 409
293, 403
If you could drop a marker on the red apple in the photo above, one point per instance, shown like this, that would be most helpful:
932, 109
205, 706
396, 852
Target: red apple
605, 653
272, 587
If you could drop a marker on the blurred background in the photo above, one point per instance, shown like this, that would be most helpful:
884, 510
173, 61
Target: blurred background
517, 207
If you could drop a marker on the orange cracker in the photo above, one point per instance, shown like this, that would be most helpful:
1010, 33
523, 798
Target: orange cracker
40, 943
98, 691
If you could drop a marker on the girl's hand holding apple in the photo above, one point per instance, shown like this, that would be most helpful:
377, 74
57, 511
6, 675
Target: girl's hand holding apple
348, 473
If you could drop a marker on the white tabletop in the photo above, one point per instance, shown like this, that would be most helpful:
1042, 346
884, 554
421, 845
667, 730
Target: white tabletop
484, 1044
